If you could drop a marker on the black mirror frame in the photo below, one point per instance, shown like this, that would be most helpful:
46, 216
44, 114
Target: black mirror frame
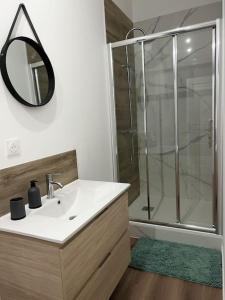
47, 63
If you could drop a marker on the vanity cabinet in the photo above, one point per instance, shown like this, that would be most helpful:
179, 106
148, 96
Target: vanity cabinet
88, 266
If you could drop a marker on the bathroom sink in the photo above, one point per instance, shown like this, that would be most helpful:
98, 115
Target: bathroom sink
63, 216
76, 199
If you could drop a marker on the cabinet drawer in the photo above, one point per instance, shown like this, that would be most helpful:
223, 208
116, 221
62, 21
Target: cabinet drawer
83, 255
109, 273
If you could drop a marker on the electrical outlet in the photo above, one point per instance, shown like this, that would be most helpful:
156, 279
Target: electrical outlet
13, 147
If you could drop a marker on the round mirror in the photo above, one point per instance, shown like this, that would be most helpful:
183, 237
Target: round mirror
27, 71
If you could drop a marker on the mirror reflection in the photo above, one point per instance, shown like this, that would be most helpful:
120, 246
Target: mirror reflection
27, 72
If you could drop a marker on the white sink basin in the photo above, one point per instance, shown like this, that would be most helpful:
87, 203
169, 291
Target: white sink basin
72, 208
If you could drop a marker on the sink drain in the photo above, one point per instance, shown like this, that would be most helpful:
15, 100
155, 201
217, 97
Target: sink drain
72, 218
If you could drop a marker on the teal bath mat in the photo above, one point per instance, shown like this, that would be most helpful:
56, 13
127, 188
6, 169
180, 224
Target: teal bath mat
195, 264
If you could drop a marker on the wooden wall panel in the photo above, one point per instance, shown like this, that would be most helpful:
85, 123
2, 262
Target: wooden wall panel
14, 181
117, 23
117, 26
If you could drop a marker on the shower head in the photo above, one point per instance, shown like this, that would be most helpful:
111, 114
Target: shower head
134, 29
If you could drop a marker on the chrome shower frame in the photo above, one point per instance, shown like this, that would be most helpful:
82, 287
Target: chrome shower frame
216, 111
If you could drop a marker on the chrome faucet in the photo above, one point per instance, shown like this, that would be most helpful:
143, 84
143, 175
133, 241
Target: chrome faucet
50, 185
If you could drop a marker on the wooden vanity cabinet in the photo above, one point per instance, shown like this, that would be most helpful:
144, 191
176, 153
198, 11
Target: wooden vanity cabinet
89, 266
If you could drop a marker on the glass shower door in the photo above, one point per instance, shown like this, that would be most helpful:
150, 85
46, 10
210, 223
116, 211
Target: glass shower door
195, 126
159, 78
131, 159
165, 98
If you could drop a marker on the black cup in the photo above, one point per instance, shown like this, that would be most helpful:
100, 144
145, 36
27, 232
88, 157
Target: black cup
17, 209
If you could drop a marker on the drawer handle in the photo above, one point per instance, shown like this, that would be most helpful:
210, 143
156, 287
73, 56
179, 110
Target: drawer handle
104, 260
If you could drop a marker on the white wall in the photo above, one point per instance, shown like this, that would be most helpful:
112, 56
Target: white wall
146, 9
73, 34
125, 6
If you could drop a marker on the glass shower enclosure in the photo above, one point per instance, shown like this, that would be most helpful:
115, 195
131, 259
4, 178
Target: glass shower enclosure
165, 95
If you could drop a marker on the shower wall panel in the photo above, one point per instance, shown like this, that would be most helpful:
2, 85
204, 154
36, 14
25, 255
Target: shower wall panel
182, 18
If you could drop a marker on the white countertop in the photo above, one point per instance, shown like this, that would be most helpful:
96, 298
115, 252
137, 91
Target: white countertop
81, 198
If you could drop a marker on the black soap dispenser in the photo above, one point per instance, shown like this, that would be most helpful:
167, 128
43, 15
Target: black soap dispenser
34, 196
